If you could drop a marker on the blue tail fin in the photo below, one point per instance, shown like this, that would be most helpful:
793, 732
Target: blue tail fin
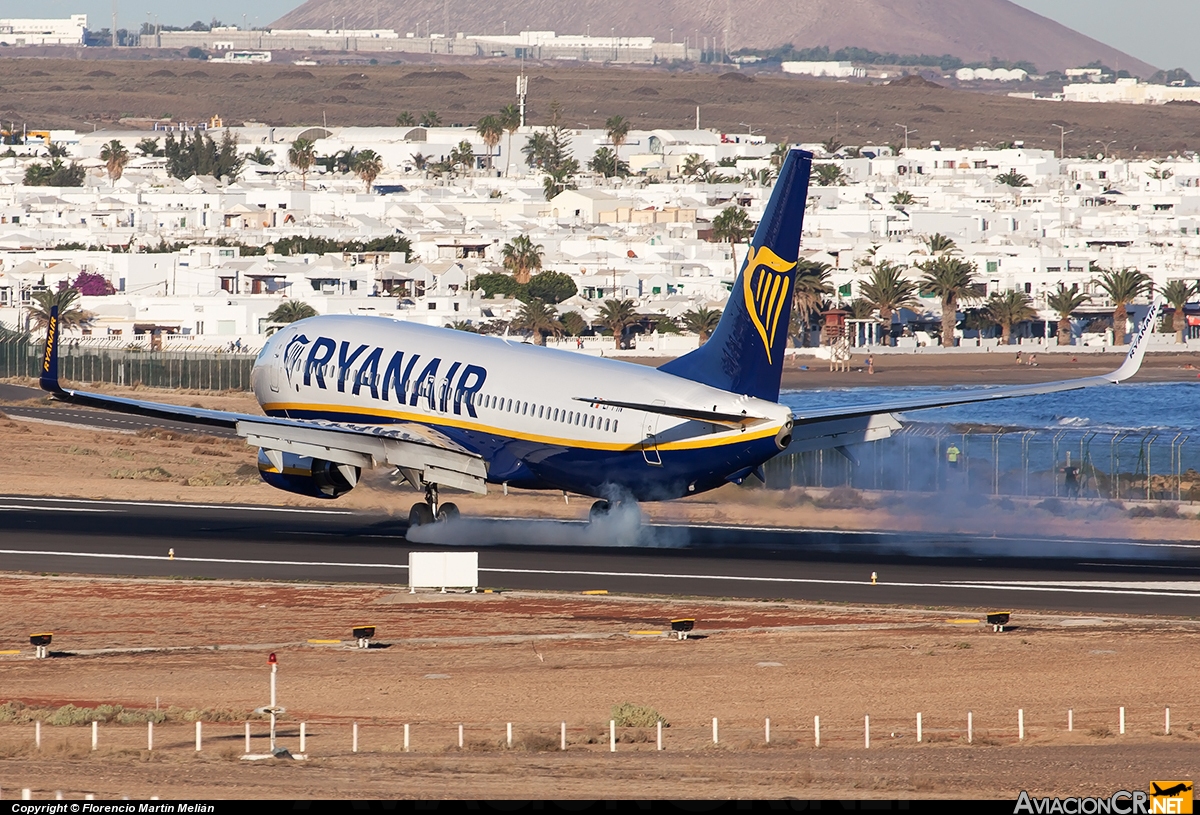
745, 353
49, 377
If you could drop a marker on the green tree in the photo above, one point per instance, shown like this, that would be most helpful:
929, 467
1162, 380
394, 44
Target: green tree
694, 166
1177, 293
302, 155
539, 319
951, 280
522, 257
490, 128
939, 244
904, 198
493, 283
830, 175
831, 145
463, 325
1013, 179
368, 165
290, 311
618, 315
733, 226
550, 287
150, 148
573, 323
1122, 286
779, 155
261, 157
812, 288
70, 315
463, 156
198, 154
702, 321
115, 158
1007, 309
510, 120
430, 118
617, 128
607, 163
1065, 301
405, 119
888, 291
55, 174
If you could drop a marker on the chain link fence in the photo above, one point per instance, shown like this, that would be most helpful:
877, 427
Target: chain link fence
1146, 465
82, 362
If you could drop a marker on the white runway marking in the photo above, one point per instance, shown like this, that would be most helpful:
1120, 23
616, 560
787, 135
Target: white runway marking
117, 556
11, 507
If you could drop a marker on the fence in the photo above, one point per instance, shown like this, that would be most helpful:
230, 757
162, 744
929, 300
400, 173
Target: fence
1147, 465
83, 362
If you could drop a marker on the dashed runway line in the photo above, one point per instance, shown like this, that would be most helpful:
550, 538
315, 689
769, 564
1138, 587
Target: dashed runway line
229, 507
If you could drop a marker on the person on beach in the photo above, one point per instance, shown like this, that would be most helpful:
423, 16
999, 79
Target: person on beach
870, 364
1033, 360
1018, 357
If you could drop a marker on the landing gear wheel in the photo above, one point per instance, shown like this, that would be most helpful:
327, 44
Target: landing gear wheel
599, 510
420, 515
447, 512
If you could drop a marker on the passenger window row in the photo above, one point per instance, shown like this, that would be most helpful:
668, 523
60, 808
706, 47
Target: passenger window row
577, 418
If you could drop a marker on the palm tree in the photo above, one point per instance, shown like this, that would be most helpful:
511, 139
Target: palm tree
1122, 287
1064, 302
904, 198
1013, 179
463, 156
702, 321
368, 165
510, 120
734, 226
490, 129
522, 257
607, 163
540, 319
812, 287
302, 155
430, 119
1007, 309
405, 119
951, 279
694, 166
831, 145
463, 325
617, 315
829, 175
779, 153
1177, 293
888, 290
149, 147
261, 157
617, 128
115, 157
939, 244
289, 311
69, 314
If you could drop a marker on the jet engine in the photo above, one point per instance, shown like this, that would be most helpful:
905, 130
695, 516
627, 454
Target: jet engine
303, 475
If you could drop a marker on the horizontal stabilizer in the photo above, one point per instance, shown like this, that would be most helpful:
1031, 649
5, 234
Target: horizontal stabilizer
695, 414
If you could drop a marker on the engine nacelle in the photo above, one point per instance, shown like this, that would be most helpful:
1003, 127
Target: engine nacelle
313, 477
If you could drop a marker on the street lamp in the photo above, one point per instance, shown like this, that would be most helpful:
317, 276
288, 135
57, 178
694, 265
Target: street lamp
1062, 139
906, 132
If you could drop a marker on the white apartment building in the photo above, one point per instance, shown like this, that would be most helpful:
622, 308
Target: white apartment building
29, 31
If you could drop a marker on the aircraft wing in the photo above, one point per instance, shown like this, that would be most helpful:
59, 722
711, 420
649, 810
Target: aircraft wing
421, 453
837, 427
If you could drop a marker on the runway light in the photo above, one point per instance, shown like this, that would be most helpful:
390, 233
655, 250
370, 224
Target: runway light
998, 619
272, 660
170, 554
363, 634
682, 626
41, 642
874, 578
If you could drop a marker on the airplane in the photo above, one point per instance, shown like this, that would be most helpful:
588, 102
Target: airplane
1170, 792
449, 409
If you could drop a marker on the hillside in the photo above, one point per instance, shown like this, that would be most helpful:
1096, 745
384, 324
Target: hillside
973, 30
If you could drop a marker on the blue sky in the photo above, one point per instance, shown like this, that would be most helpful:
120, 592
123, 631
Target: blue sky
1161, 32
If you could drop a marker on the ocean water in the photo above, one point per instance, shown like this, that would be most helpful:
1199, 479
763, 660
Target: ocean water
1171, 406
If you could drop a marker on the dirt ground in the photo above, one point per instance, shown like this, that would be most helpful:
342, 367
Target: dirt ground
536, 660
169, 466
46, 92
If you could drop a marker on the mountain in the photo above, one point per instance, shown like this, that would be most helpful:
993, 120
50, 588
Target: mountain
973, 30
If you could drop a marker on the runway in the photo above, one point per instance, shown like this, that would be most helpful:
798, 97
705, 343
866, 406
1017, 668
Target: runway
976, 574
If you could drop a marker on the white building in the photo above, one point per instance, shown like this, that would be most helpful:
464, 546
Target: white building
29, 31
1130, 92
838, 70
991, 75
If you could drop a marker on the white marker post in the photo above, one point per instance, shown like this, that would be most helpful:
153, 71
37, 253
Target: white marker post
150, 736
867, 732
509, 735
460, 737
354, 738
1167, 724
1070, 720
970, 728
247, 738
95, 735
406, 738
302, 736
715, 739
274, 663
562, 736
612, 736
659, 723
768, 729
1122, 721
1021, 724
37, 733
198, 743
918, 728
817, 730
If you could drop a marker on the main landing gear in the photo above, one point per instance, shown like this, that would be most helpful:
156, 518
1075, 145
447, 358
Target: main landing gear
431, 510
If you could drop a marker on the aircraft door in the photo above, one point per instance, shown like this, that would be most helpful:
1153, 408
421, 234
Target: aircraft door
650, 437
273, 370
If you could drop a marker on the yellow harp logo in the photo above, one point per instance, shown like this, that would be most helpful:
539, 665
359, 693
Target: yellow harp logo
767, 288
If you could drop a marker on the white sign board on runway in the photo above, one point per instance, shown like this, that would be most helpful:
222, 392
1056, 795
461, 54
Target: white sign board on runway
443, 570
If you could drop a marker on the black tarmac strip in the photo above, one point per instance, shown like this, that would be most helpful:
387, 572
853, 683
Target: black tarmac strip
976, 575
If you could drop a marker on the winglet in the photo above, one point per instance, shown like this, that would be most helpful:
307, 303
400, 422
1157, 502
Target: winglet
1137, 346
49, 378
